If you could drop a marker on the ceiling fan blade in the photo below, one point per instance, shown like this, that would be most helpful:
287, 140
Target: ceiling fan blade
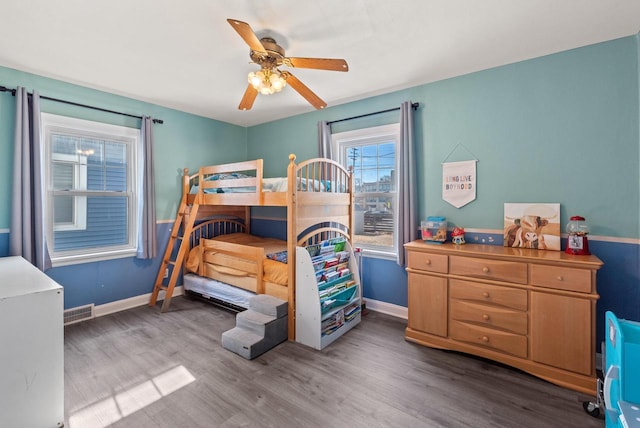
248, 98
247, 35
318, 63
303, 90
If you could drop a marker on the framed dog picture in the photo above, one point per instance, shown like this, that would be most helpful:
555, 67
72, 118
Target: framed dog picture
532, 226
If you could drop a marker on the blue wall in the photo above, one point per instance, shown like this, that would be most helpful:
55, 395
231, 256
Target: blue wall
560, 128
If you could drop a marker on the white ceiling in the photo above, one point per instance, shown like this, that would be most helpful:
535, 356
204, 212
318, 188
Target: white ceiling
184, 55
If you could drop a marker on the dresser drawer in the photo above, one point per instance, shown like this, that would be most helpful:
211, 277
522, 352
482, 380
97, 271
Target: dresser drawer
491, 269
562, 278
495, 294
427, 261
489, 316
501, 341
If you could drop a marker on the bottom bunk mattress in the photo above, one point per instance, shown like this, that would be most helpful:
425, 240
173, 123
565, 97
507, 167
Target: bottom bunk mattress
226, 266
217, 290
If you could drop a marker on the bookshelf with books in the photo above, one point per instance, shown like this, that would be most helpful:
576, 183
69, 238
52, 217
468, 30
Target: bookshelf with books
328, 293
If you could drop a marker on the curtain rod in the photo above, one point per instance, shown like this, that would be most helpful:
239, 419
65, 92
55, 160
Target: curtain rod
13, 92
413, 106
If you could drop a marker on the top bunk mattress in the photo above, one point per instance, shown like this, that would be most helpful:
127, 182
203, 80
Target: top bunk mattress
275, 184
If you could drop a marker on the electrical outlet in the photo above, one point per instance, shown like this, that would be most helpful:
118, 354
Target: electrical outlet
166, 272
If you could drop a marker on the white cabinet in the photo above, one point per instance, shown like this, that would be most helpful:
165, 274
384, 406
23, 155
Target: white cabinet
322, 320
31, 347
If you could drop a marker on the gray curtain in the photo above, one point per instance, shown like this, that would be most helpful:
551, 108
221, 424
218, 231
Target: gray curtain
324, 140
407, 201
147, 237
27, 236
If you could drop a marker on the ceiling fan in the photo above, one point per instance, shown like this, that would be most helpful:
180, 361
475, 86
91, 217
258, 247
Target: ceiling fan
269, 79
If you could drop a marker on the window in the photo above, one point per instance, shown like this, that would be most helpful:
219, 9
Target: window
371, 153
91, 189
69, 172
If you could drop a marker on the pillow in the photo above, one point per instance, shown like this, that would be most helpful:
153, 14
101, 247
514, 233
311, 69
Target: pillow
280, 256
227, 176
275, 272
193, 261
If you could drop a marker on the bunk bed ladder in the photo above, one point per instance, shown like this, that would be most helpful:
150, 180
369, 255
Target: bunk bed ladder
180, 232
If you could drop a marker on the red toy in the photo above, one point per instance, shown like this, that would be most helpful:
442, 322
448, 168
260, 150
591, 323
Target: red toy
457, 235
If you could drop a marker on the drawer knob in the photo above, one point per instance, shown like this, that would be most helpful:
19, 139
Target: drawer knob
427, 262
485, 339
485, 269
560, 278
485, 294
485, 317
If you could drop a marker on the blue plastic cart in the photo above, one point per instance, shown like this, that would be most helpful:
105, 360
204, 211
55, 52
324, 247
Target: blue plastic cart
619, 393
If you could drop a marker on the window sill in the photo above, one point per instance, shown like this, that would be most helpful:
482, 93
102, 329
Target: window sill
91, 258
378, 254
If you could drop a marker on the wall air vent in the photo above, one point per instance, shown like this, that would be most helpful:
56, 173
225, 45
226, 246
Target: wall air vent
80, 313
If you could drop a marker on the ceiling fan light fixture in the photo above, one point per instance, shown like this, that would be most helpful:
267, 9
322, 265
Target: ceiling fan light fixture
255, 79
277, 81
267, 81
269, 55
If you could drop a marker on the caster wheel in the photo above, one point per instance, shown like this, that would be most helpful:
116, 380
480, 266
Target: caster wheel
591, 408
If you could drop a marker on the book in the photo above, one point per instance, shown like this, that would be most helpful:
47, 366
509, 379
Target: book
313, 250
333, 323
332, 275
333, 261
325, 249
343, 256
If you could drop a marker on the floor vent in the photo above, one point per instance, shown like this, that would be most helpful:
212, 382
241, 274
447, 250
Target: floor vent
81, 313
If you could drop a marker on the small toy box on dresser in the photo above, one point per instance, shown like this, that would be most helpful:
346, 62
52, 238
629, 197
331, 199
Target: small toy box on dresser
434, 230
531, 309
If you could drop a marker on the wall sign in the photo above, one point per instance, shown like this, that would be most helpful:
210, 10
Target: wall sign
459, 182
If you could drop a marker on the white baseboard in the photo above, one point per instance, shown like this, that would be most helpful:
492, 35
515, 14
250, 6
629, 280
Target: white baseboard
132, 302
143, 299
386, 308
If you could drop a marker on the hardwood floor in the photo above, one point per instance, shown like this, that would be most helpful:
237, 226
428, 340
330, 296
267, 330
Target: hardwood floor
141, 368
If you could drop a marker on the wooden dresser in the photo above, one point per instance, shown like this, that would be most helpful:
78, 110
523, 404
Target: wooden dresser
531, 309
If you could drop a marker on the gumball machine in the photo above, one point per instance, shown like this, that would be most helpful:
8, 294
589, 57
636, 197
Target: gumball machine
577, 230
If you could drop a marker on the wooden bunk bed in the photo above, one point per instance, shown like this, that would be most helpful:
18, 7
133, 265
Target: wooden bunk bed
318, 195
